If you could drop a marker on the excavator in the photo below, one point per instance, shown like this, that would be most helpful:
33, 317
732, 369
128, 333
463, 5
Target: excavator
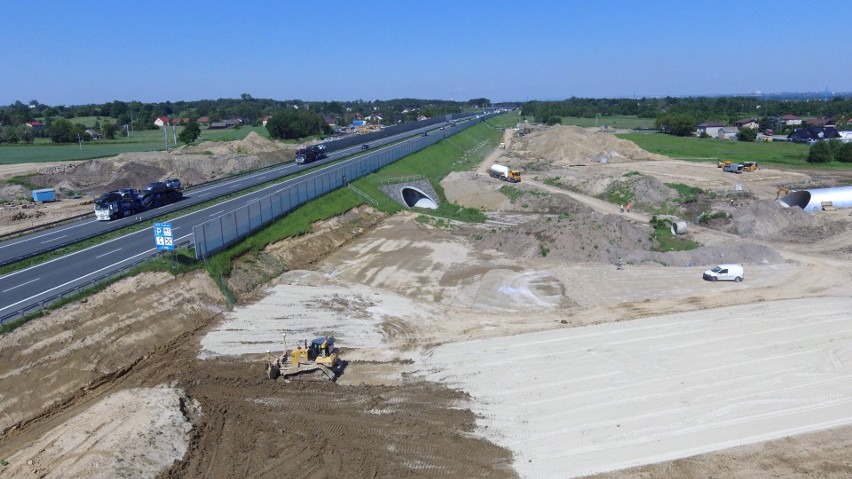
319, 360
781, 192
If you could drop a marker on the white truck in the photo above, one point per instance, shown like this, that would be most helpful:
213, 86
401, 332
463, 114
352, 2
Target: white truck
725, 272
504, 173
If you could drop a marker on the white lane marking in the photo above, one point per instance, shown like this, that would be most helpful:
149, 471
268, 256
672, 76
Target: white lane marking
73, 280
109, 252
22, 284
54, 239
30, 238
217, 213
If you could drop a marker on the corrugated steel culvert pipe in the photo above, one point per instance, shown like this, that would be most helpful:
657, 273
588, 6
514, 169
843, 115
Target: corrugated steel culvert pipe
817, 199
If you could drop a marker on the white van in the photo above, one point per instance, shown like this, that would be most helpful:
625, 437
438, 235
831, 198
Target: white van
725, 272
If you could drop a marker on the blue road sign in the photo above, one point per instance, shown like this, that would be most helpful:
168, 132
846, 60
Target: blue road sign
163, 236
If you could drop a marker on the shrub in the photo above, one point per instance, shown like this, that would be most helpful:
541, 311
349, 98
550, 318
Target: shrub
820, 152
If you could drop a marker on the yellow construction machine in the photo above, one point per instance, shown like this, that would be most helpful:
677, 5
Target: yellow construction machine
318, 359
749, 166
781, 192
724, 163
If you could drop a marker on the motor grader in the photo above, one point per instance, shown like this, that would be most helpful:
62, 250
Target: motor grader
317, 360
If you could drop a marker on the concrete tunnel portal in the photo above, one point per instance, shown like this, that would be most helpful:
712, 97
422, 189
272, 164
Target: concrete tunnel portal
415, 198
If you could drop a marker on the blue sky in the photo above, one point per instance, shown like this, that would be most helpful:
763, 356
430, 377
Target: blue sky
75, 52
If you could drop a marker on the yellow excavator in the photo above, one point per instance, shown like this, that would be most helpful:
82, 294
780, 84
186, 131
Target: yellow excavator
724, 163
781, 192
749, 166
318, 359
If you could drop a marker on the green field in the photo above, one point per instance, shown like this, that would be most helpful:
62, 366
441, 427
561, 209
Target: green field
623, 122
141, 140
713, 150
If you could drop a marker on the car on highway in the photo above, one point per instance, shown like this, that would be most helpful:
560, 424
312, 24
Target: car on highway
365, 146
155, 186
173, 183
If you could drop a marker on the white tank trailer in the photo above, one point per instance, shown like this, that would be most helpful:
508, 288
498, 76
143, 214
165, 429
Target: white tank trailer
504, 173
817, 199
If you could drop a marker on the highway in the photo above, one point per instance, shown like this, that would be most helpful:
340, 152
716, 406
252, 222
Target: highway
36, 285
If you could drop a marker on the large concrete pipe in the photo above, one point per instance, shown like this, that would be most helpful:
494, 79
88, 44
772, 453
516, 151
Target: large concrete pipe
813, 200
679, 227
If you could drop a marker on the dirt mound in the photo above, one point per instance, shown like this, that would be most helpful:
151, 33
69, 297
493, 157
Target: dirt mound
252, 144
135, 170
578, 235
562, 145
768, 220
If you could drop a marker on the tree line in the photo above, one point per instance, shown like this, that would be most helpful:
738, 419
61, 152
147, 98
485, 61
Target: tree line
60, 127
675, 111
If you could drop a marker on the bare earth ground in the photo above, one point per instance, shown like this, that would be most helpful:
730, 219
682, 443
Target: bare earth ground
469, 352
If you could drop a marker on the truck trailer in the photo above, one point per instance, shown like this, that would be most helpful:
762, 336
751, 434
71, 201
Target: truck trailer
310, 153
129, 201
504, 173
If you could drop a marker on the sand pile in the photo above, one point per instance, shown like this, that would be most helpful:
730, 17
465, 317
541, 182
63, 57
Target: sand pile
566, 145
192, 165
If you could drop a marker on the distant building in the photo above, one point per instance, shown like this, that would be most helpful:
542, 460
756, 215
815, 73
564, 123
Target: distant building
710, 128
161, 121
37, 126
728, 133
791, 120
93, 134
203, 120
750, 123
811, 134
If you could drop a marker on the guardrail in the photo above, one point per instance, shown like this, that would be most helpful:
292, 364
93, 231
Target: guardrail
45, 302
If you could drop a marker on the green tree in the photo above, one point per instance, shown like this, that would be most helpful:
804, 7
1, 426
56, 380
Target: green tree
108, 130
678, 124
820, 152
61, 131
844, 153
292, 124
190, 133
8, 134
747, 134
25, 134
834, 147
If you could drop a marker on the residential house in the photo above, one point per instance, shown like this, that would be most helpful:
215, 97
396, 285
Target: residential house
728, 133
332, 122
180, 121
791, 120
750, 123
161, 121
265, 119
37, 126
221, 125
819, 122
812, 134
93, 134
710, 128
203, 120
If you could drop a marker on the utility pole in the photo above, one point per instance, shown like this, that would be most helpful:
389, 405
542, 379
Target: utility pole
80, 140
174, 134
165, 138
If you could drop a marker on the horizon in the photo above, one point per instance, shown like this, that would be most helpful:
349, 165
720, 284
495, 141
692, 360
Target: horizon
81, 53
